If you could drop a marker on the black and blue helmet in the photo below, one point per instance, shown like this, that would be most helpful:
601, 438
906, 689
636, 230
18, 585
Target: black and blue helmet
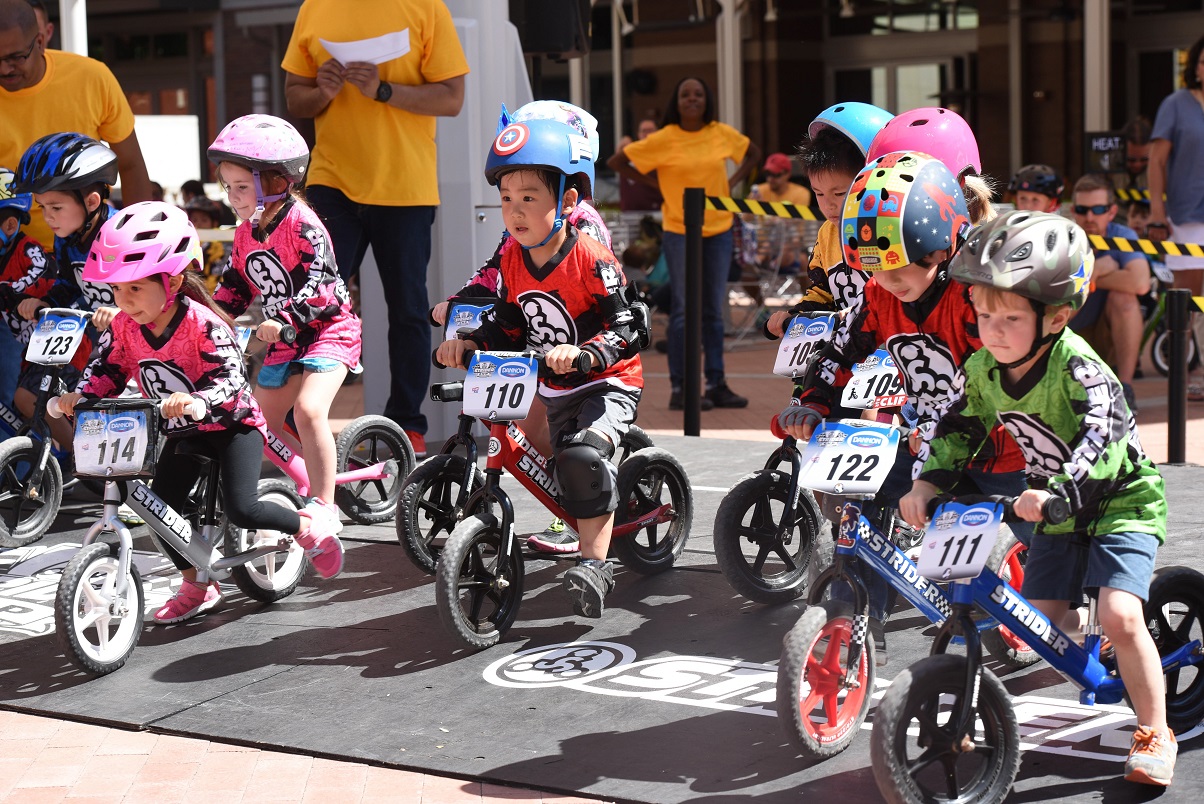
20, 202
64, 162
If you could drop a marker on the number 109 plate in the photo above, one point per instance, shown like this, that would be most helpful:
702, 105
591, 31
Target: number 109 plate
850, 456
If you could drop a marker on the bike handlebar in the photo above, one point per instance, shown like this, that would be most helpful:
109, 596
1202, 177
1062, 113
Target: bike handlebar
583, 364
195, 409
1054, 511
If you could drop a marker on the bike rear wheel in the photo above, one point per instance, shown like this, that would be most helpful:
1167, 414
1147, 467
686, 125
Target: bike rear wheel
276, 575
650, 479
476, 592
1007, 561
97, 628
365, 442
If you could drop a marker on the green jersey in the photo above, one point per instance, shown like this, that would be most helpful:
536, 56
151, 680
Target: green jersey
1079, 440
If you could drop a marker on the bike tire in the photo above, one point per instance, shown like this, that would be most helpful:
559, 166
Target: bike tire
474, 607
24, 520
772, 571
274, 576
647, 480
364, 442
1174, 615
1007, 561
1160, 352
922, 693
95, 568
814, 662
428, 514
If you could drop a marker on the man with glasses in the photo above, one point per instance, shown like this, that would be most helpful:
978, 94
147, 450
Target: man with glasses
1119, 278
49, 91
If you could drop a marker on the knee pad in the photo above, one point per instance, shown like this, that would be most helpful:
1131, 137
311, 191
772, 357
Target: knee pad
585, 477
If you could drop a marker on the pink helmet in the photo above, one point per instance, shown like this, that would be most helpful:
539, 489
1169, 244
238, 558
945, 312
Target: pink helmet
145, 239
936, 132
262, 142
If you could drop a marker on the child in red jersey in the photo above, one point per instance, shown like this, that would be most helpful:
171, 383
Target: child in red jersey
177, 345
25, 271
563, 295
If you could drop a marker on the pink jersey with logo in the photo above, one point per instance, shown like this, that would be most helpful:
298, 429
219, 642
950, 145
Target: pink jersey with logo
295, 272
197, 354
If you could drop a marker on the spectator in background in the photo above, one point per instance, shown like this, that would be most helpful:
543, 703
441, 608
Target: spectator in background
193, 188
691, 149
778, 186
156, 191
205, 214
639, 196
1119, 278
45, 26
1177, 169
50, 91
372, 175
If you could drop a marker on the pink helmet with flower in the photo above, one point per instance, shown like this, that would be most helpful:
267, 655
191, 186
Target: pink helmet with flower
937, 132
261, 142
142, 240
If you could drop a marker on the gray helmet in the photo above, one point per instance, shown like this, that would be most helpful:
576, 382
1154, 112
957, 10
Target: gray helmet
1038, 255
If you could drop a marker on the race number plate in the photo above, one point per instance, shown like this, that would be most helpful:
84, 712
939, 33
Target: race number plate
804, 337
111, 443
463, 318
959, 539
849, 456
876, 383
57, 335
500, 385
243, 334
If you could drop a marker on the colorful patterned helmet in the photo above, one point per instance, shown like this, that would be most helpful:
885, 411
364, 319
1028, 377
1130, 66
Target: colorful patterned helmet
541, 144
1038, 179
20, 202
262, 142
585, 123
937, 132
145, 239
899, 209
64, 162
860, 122
1038, 255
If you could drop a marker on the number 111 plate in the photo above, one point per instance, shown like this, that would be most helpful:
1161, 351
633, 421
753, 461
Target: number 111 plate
958, 540
849, 456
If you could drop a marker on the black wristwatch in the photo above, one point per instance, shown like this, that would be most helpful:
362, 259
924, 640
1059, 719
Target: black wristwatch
384, 91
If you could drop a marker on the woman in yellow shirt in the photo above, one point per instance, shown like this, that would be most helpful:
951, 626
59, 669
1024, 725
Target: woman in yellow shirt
691, 150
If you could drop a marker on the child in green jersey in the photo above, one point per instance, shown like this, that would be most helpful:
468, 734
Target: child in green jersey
1029, 271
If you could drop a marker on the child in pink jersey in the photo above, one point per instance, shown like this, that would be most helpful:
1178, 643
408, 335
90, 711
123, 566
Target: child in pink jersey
283, 253
177, 345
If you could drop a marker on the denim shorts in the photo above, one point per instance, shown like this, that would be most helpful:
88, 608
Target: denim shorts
277, 376
1061, 567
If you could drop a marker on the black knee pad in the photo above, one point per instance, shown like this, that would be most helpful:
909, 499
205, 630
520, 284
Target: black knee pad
585, 477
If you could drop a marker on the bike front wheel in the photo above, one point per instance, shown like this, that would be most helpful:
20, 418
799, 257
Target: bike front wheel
96, 627
819, 712
26, 510
365, 442
760, 563
477, 592
919, 755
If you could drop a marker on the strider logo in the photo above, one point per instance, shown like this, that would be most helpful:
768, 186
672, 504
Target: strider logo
160, 511
279, 447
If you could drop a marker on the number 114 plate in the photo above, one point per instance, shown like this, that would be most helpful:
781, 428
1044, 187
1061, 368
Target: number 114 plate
849, 456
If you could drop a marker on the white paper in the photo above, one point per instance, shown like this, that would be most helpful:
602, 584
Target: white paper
376, 50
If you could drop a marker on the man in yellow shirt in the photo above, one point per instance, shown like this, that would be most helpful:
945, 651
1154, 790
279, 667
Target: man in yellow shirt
49, 91
372, 174
778, 186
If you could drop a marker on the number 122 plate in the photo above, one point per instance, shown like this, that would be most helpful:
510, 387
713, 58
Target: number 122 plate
849, 456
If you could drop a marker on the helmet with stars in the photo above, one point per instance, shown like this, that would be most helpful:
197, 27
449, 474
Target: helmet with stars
901, 207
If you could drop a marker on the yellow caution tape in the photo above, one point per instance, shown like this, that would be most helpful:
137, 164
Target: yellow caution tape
773, 209
1150, 247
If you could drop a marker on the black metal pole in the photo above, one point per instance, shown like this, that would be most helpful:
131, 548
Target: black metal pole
695, 200
1178, 319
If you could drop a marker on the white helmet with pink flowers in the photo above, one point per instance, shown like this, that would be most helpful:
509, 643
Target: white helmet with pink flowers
142, 240
261, 142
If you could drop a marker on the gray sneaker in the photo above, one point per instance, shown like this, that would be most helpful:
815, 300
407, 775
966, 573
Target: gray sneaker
1152, 757
588, 583
557, 537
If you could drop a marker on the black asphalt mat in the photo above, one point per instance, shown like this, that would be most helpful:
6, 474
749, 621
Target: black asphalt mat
669, 698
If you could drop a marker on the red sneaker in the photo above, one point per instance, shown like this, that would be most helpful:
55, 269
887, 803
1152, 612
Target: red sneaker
418, 442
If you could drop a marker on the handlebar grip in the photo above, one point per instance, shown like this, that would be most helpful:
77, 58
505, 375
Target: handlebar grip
1055, 511
584, 363
195, 409
288, 333
52, 408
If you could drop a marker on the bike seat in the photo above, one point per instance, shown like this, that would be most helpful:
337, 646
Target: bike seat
447, 392
202, 449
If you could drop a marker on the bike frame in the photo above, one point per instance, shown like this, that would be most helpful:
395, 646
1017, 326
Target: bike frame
293, 465
1079, 664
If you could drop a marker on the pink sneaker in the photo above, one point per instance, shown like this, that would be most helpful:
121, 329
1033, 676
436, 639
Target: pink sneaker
189, 600
317, 508
322, 547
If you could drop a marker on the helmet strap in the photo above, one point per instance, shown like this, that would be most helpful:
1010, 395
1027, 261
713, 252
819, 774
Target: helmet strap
171, 295
1042, 337
262, 199
559, 223
91, 219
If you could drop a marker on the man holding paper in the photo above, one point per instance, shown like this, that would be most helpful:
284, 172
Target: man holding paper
374, 78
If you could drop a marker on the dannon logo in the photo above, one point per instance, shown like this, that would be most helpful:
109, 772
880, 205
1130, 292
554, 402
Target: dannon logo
866, 440
818, 328
975, 517
513, 371
68, 325
122, 425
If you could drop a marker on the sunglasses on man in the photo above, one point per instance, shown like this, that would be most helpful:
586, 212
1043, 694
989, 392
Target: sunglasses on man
1096, 209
